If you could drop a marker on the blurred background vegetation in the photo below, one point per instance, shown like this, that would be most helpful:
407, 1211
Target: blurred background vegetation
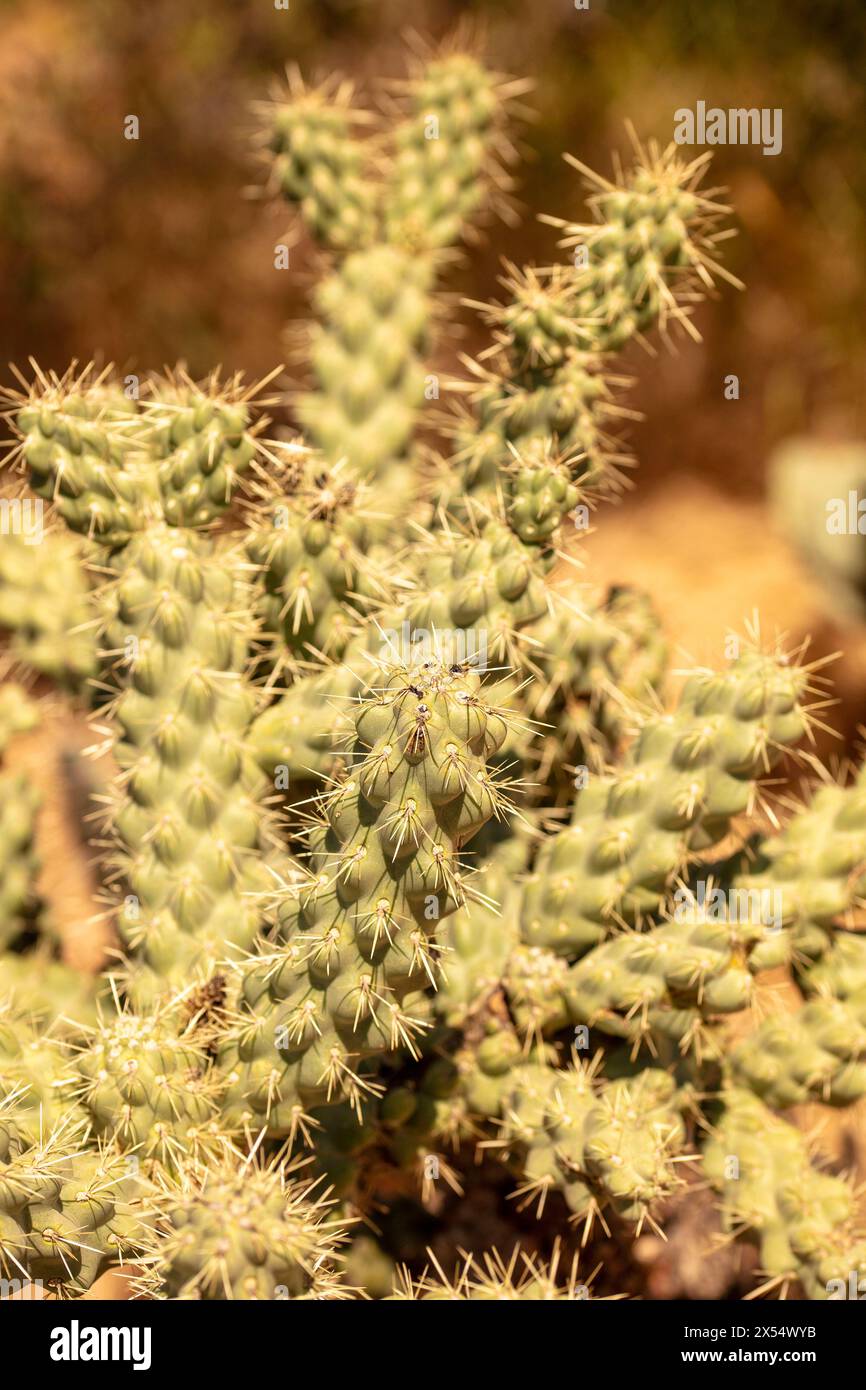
147, 251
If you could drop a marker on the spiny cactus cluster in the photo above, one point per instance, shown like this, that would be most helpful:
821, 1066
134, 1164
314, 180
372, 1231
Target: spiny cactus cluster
417, 863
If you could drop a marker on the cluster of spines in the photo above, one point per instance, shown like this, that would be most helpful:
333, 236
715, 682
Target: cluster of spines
66, 1212
493, 1278
647, 258
234, 1226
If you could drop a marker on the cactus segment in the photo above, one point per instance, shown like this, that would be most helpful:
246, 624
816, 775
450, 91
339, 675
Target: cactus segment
685, 778
649, 255
194, 851
66, 1213
45, 609
359, 939
147, 1087
19, 804
803, 1220
233, 1227
311, 547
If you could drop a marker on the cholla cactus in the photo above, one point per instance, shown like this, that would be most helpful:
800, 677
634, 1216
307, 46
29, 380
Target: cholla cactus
804, 1221
65, 1212
146, 1085
480, 938
389, 208
310, 542
39, 987
648, 257
188, 822
36, 1081
19, 803
237, 1228
21, 908
359, 942
815, 866
686, 776
604, 1147
650, 249
45, 610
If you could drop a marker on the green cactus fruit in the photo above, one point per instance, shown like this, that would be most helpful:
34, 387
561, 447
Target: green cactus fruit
44, 607
359, 938
236, 1228
802, 1220
66, 1213
147, 1086
19, 804
685, 778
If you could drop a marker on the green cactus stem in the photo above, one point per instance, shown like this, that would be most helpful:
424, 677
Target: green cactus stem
66, 1213
235, 1227
358, 941
684, 779
803, 1221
